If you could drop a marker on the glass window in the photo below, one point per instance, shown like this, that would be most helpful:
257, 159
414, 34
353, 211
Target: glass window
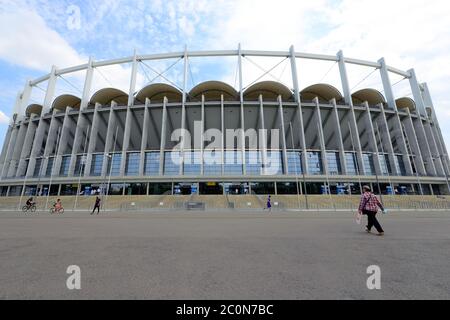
96, 164
192, 163
114, 164
116, 189
212, 162
294, 161
233, 163
64, 169
37, 168
172, 163
334, 164
315, 163
132, 165
135, 189
79, 165
253, 163
49, 170
400, 165
151, 166
274, 164
369, 167
159, 188
351, 163
262, 188
385, 165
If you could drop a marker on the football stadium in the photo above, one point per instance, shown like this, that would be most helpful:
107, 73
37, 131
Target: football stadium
215, 145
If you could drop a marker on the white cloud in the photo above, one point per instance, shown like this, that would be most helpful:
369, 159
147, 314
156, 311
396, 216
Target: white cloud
26, 40
4, 119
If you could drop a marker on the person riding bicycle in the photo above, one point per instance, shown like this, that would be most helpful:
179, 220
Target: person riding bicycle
30, 202
58, 205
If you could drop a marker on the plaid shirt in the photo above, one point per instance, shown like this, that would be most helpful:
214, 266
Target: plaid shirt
369, 202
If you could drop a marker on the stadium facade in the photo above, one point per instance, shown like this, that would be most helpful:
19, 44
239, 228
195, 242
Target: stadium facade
318, 139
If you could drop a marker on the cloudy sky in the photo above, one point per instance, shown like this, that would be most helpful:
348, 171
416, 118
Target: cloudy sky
36, 34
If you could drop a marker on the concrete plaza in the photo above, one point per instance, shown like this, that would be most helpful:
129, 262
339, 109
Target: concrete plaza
223, 255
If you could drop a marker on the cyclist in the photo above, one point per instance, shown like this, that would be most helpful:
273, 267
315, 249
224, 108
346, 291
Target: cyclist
58, 206
29, 202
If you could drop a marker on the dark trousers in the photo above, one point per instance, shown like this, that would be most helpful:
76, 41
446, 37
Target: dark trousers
372, 221
96, 207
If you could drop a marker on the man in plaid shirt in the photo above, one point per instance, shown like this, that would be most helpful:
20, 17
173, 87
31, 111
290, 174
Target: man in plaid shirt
369, 205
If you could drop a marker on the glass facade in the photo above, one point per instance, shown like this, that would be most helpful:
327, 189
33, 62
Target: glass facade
274, 163
132, 164
192, 163
114, 164
369, 167
96, 165
233, 163
294, 162
315, 163
64, 169
37, 168
48, 171
385, 165
172, 161
400, 165
212, 163
253, 162
351, 164
151, 165
79, 165
334, 164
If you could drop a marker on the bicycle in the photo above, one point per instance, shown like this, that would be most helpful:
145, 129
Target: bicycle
54, 210
31, 208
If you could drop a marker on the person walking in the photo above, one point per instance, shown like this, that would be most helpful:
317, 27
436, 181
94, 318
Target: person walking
369, 205
96, 205
269, 204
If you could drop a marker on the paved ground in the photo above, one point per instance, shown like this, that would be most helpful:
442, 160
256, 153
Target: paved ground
217, 255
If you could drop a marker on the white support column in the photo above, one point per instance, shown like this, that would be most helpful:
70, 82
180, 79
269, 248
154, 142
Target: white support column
17, 150
435, 129
183, 112
126, 141
62, 142
323, 150
5, 145
50, 93
414, 144
10, 150
338, 137
372, 140
92, 140
50, 143
297, 98
424, 144
132, 90
262, 137
163, 138
222, 128
26, 147
283, 135
416, 93
242, 120
434, 149
386, 140
202, 141
387, 87
349, 102
344, 78
25, 98
82, 126
87, 84
110, 132
37, 145
144, 139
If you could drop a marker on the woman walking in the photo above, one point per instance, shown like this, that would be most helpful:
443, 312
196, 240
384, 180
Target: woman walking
369, 205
